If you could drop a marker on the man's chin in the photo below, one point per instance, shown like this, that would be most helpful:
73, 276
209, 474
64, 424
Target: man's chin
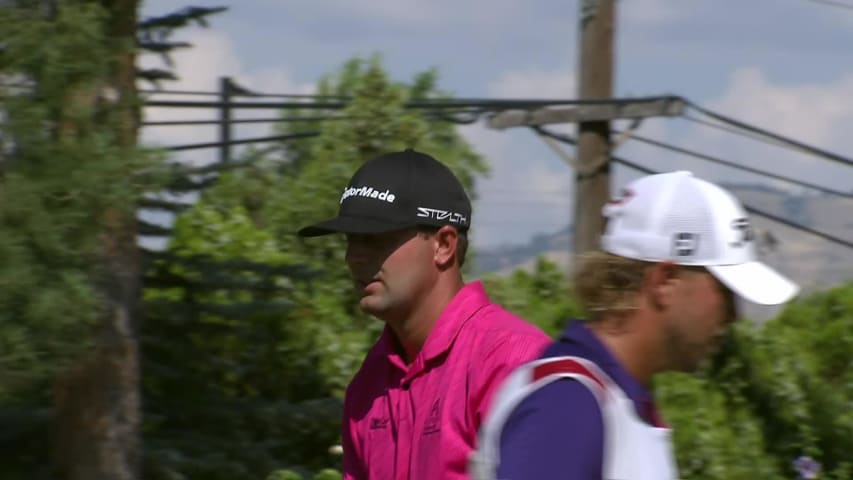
370, 306
365, 307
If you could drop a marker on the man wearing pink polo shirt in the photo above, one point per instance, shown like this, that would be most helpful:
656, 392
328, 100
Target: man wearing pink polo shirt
413, 410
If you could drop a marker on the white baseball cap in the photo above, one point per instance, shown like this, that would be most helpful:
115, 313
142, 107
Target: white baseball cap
686, 220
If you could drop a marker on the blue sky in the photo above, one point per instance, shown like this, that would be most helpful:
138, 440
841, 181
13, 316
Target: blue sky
786, 65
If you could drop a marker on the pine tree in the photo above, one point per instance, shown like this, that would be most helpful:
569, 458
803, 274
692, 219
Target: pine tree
71, 175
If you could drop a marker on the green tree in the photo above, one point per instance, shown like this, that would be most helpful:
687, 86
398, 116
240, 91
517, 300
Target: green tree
71, 176
776, 392
235, 389
541, 296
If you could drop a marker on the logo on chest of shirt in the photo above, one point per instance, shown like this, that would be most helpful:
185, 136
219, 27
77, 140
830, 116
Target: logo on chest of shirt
378, 423
433, 421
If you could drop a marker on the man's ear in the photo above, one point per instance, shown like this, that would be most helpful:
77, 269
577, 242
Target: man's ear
660, 284
446, 240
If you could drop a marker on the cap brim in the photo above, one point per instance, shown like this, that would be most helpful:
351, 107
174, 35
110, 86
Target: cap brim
359, 225
756, 282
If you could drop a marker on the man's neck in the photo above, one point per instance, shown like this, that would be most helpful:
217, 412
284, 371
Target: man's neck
412, 329
626, 340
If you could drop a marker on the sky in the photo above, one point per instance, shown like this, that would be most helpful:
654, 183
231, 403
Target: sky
783, 65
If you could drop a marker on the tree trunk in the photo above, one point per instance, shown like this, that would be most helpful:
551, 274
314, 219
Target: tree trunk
96, 430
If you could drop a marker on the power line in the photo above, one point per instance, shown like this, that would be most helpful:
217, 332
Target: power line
466, 100
473, 107
728, 163
247, 120
252, 94
485, 104
833, 3
419, 102
444, 115
775, 218
736, 131
766, 133
274, 138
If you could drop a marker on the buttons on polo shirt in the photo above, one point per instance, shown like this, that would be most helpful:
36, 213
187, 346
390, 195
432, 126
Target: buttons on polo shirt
406, 386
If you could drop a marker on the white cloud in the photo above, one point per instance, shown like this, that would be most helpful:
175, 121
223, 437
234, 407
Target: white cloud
815, 113
398, 10
418, 14
654, 12
535, 83
199, 68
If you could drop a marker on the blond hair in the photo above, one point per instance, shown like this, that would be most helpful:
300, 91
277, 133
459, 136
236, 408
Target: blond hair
607, 283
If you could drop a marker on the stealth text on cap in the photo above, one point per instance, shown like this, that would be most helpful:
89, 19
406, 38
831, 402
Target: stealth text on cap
368, 192
436, 214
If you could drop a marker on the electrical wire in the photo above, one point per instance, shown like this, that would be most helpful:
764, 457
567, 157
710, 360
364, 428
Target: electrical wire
833, 3
484, 104
246, 120
831, 238
774, 136
728, 163
736, 131
234, 94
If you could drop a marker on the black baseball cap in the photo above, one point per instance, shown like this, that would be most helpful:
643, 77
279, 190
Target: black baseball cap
395, 191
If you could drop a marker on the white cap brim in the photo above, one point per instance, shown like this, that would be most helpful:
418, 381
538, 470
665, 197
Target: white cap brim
755, 282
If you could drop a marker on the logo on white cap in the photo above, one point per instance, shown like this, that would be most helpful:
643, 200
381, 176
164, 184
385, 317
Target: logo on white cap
684, 244
742, 226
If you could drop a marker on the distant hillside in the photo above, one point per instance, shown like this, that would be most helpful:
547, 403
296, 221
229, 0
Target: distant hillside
509, 257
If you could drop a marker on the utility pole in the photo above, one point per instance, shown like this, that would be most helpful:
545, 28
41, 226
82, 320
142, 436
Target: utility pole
592, 158
226, 89
592, 177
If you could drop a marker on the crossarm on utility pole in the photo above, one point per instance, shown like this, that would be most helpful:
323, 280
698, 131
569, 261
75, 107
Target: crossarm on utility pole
612, 109
554, 145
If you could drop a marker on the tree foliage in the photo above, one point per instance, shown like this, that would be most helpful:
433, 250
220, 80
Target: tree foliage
235, 390
541, 296
777, 392
59, 171
70, 178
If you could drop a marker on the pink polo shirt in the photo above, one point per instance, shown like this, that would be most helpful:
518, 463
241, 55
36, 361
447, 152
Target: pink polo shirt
420, 422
